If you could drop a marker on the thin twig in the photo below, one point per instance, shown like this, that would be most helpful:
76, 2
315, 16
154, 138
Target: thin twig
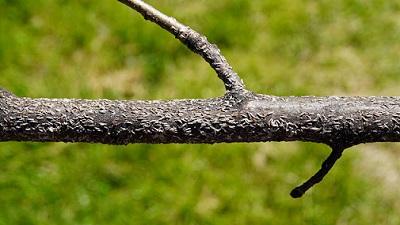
194, 41
319, 175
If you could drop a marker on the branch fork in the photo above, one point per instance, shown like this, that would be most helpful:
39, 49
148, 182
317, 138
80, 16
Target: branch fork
233, 84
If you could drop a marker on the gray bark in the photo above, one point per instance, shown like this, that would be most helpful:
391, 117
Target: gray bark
335, 121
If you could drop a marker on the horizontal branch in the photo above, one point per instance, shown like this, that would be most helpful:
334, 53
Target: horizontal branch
343, 121
239, 116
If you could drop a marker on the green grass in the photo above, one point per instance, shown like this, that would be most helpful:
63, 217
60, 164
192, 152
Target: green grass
102, 49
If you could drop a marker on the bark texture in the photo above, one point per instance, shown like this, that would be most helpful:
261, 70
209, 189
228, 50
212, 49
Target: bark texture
335, 121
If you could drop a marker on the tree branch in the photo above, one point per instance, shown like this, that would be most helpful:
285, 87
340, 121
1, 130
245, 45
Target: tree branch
247, 118
319, 175
194, 41
238, 116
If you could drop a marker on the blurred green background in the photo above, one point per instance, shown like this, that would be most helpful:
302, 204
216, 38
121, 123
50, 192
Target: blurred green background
102, 49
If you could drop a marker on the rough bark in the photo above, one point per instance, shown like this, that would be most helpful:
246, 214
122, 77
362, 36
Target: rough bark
335, 121
238, 116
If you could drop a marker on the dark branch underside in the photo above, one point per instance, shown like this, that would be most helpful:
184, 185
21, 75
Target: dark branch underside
249, 118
